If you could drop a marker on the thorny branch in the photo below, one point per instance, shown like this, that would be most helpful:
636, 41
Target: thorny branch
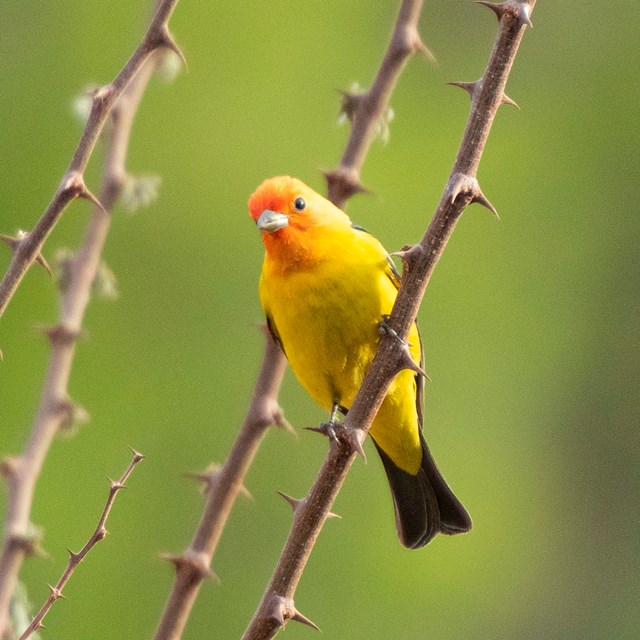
26, 249
56, 408
369, 107
224, 485
222, 489
277, 606
75, 559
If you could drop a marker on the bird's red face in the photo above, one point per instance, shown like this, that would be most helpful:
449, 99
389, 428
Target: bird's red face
281, 205
295, 220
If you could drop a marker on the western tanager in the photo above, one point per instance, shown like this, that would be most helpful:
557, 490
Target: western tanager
325, 286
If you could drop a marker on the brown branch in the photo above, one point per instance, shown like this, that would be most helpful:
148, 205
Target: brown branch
277, 606
224, 486
371, 106
75, 559
27, 248
55, 406
193, 566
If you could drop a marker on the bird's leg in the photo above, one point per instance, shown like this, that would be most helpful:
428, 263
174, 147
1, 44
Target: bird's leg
384, 328
337, 432
329, 428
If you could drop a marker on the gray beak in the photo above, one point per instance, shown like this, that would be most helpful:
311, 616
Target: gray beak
271, 221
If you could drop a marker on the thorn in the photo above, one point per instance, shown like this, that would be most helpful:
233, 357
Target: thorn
283, 609
101, 94
409, 363
498, 8
507, 100
60, 335
356, 440
333, 516
462, 184
56, 594
245, 493
38, 551
85, 194
114, 485
73, 415
292, 501
30, 542
197, 563
403, 253
14, 243
420, 47
278, 610
282, 423
10, 241
346, 182
409, 254
298, 617
197, 476
137, 456
469, 87
206, 477
43, 263
171, 558
167, 41
209, 477
524, 14
351, 101
480, 198
9, 467
74, 558
74, 184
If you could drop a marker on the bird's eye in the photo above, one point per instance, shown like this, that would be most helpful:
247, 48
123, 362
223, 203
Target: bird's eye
299, 204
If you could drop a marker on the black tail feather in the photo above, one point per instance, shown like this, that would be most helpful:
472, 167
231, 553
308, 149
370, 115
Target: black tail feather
424, 503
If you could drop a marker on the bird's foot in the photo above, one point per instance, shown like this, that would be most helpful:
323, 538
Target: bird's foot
329, 429
338, 433
384, 328
341, 436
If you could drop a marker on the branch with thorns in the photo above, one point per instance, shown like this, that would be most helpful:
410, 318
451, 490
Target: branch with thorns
366, 110
56, 407
277, 605
26, 248
100, 533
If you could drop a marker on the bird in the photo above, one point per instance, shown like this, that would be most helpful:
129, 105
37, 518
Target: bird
325, 286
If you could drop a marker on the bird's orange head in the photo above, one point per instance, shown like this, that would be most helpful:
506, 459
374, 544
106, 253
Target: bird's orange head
293, 218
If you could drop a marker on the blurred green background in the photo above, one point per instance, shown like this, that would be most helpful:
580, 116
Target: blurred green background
531, 324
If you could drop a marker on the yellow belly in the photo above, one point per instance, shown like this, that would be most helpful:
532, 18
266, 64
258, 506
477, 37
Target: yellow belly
327, 319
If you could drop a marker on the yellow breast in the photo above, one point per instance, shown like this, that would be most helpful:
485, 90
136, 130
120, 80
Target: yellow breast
327, 319
326, 313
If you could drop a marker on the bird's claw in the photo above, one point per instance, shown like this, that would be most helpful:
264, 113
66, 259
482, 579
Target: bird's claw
332, 430
329, 429
385, 329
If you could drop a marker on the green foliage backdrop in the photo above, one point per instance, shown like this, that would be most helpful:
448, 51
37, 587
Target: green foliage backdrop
531, 324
